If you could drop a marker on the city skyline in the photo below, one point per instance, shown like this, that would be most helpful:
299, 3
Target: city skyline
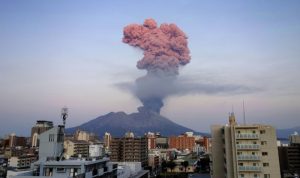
55, 54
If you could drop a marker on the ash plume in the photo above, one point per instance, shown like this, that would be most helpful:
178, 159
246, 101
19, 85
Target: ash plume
165, 50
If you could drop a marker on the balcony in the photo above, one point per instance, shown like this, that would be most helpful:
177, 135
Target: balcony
248, 157
247, 147
249, 136
249, 169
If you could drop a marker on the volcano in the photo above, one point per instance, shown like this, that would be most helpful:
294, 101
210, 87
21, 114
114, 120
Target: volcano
118, 123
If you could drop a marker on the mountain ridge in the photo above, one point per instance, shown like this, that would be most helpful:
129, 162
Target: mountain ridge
118, 123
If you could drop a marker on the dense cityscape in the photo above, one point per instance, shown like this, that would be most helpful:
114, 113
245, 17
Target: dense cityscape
233, 150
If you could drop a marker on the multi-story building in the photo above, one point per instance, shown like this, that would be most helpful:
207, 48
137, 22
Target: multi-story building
162, 142
107, 140
289, 157
129, 149
182, 142
52, 164
13, 140
22, 162
40, 127
75, 148
151, 138
244, 151
96, 150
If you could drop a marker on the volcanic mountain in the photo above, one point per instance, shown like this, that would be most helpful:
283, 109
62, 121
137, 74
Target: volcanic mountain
118, 123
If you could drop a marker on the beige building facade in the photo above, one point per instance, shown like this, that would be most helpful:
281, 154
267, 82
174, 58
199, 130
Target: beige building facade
75, 148
244, 151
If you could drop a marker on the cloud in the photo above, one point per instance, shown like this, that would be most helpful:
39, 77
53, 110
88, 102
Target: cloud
187, 86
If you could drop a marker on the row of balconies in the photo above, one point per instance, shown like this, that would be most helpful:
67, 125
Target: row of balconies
250, 168
248, 157
247, 136
247, 146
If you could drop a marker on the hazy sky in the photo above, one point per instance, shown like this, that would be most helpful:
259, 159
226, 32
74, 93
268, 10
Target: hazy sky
70, 53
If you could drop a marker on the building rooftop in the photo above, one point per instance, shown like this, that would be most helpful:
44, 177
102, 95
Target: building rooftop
73, 162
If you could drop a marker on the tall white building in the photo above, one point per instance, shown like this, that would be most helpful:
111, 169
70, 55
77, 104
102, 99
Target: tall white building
244, 151
52, 143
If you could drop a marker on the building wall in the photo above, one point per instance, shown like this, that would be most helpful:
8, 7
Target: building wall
182, 142
289, 158
40, 127
268, 144
76, 147
107, 140
244, 151
218, 170
51, 143
129, 150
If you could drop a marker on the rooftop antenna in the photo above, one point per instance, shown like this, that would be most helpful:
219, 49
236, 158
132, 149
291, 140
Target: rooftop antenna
64, 114
244, 115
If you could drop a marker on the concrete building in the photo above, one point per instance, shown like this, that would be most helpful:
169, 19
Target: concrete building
96, 150
40, 127
162, 142
13, 141
107, 140
84, 135
244, 151
289, 157
131, 170
129, 149
76, 148
52, 164
182, 142
151, 138
22, 162
52, 143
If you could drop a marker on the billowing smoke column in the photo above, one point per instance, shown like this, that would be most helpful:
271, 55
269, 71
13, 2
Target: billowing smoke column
165, 50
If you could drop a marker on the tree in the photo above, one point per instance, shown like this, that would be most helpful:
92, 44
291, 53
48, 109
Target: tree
171, 164
164, 166
185, 164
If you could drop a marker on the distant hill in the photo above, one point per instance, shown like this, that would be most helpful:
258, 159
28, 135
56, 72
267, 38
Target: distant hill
118, 123
285, 133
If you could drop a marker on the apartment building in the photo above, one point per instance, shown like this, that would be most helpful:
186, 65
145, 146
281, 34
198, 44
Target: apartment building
244, 151
76, 148
182, 142
289, 157
129, 149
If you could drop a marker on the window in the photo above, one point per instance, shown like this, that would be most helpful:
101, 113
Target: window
255, 175
266, 164
267, 176
237, 143
60, 170
253, 131
263, 142
253, 153
241, 164
242, 175
71, 172
254, 142
262, 132
239, 131
265, 153
254, 164
51, 137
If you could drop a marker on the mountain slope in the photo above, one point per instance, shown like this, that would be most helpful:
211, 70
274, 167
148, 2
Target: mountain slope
117, 123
